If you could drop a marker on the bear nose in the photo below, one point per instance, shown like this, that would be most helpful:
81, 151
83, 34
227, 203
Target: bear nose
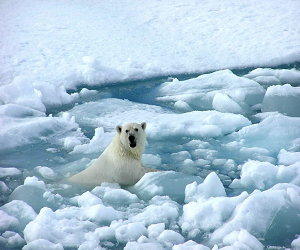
131, 139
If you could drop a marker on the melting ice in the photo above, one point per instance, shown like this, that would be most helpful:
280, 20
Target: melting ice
229, 178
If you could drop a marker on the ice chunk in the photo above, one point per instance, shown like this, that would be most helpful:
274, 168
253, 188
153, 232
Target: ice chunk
34, 196
105, 233
21, 211
143, 246
34, 181
182, 106
262, 175
7, 221
97, 144
290, 76
262, 214
18, 132
21, 92
101, 214
288, 158
88, 199
164, 124
190, 245
257, 153
163, 183
90, 245
207, 215
181, 156
9, 172
18, 111
112, 194
87, 93
296, 243
223, 103
71, 142
165, 213
42, 244
54, 95
12, 240
283, 99
170, 236
274, 132
211, 187
4, 189
199, 92
242, 240
151, 160
154, 230
56, 228
120, 197
47, 173
130, 232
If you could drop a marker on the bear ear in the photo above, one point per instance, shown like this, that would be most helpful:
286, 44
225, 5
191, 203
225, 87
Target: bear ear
143, 124
119, 129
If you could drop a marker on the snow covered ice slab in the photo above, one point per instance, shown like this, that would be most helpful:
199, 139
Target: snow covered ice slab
185, 38
161, 123
273, 133
283, 99
221, 90
270, 77
21, 126
262, 214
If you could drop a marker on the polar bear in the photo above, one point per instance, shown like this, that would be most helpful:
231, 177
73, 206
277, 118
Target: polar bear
121, 160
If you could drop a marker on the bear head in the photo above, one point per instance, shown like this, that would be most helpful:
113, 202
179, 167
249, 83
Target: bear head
133, 135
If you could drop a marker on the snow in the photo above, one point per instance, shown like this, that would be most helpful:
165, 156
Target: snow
111, 43
217, 83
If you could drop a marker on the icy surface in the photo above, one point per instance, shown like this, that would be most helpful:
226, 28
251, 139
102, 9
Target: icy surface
221, 90
227, 141
126, 39
283, 99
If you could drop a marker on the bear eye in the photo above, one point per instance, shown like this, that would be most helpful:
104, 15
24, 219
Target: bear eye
136, 129
127, 130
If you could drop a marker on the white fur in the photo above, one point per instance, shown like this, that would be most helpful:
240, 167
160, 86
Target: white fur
119, 163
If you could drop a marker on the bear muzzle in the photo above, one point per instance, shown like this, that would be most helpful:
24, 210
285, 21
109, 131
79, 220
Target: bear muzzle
132, 141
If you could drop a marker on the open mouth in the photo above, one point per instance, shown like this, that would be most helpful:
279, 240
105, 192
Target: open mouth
132, 141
